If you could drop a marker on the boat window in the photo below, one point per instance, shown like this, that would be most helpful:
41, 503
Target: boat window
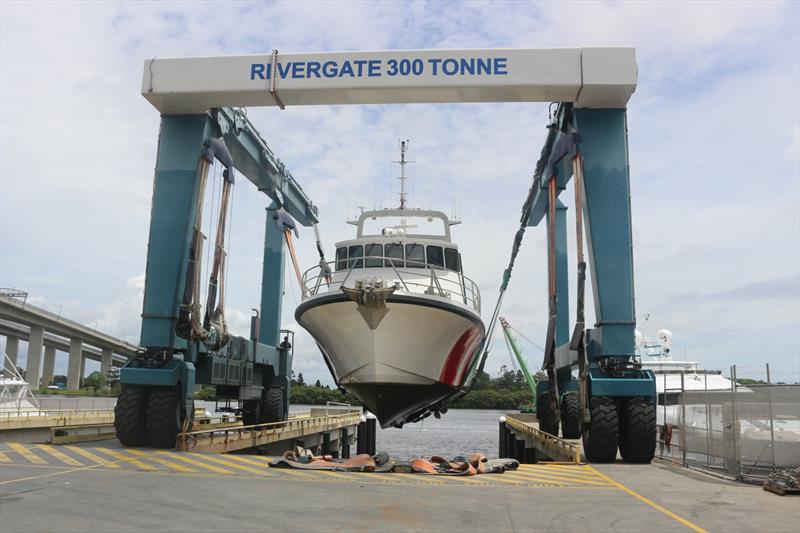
415, 255
435, 257
341, 258
452, 259
395, 252
355, 252
374, 251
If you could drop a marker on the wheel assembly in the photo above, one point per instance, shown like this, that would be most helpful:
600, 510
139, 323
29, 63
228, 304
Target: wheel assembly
570, 416
163, 419
272, 408
129, 416
601, 434
546, 415
637, 435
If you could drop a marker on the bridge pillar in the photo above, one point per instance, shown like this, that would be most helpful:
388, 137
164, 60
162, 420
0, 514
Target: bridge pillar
83, 366
105, 361
33, 367
74, 366
49, 365
12, 349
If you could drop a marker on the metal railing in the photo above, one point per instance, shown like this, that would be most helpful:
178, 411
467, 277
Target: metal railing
423, 279
554, 447
237, 438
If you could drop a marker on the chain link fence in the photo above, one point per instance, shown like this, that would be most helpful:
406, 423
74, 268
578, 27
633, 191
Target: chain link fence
745, 432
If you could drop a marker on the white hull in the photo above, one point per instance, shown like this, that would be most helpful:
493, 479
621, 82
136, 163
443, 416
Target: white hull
423, 347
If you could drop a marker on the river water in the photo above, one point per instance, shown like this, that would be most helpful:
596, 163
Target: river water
458, 432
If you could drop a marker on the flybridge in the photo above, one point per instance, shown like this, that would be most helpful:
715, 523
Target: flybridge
589, 77
359, 68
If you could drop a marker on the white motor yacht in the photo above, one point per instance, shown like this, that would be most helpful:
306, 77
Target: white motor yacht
396, 320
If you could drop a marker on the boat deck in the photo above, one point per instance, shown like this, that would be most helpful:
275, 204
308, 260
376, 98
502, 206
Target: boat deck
97, 488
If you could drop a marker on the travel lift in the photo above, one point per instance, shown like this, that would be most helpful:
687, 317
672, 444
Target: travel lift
202, 123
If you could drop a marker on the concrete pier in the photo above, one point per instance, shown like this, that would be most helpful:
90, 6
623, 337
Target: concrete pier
12, 349
105, 361
74, 366
49, 365
33, 367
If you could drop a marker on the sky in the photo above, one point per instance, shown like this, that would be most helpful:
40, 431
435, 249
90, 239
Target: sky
714, 137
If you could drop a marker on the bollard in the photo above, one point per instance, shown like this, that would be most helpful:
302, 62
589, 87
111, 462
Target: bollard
520, 455
344, 443
371, 434
361, 437
502, 444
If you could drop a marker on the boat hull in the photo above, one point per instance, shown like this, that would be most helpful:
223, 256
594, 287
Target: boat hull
418, 355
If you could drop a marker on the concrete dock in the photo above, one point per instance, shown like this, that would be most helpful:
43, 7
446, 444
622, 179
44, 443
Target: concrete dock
93, 487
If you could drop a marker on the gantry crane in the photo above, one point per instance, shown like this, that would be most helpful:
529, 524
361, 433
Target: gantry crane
587, 138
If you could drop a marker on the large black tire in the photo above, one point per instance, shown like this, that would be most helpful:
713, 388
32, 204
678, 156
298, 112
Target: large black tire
601, 434
272, 408
251, 412
129, 416
637, 435
571, 416
548, 422
163, 419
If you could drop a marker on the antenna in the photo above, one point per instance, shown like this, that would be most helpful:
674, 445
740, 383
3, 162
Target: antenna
403, 162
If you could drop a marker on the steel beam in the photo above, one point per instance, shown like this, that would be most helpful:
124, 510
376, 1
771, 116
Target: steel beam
175, 192
272, 282
607, 215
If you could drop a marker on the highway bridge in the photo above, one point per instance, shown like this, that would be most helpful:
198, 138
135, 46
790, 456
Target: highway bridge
46, 331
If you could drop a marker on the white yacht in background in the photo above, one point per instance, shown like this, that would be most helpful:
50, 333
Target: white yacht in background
396, 320
16, 397
673, 376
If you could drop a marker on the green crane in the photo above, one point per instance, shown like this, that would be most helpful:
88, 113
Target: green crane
518, 354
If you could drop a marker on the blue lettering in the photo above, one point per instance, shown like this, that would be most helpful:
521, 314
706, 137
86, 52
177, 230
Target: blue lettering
360, 64
298, 70
329, 69
347, 68
257, 69
500, 66
468, 65
484, 66
450, 63
374, 67
312, 67
283, 70
435, 65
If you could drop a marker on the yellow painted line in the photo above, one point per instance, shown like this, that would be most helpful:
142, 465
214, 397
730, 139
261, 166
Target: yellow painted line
153, 457
558, 479
122, 457
245, 459
61, 456
295, 473
91, 456
26, 453
4, 458
186, 459
505, 478
590, 476
651, 503
231, 464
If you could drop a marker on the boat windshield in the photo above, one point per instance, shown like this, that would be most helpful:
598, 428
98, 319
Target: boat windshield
406, 225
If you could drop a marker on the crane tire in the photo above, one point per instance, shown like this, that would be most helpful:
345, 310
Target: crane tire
601, 434
163, 418
546, 415
637, 436
272, 408
129, 416
570, 416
